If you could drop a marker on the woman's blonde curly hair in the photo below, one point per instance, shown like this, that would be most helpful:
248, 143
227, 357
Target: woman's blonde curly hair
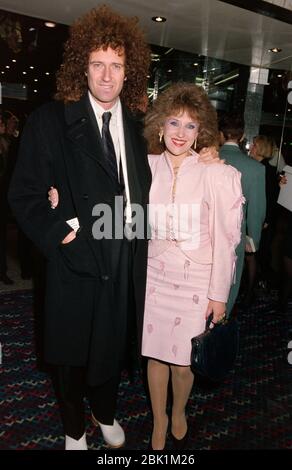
99, 29
180, 97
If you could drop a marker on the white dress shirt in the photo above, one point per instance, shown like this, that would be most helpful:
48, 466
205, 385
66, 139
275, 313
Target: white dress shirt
117, 133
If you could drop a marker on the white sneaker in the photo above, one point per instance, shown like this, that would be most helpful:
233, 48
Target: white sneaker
75, 444
113, 434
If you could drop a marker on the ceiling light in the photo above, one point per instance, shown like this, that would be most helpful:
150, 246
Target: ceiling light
47, 73
31, 29
195, 64
279, 75
277, 115
148, 76
36, 80
2, 73
7, 66
24, 73
35, 91
289, 110
31, 67
50, 24
169, 71
275, 49
158, 19
13, 60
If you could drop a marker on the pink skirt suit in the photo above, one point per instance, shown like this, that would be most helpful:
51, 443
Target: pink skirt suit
195, 219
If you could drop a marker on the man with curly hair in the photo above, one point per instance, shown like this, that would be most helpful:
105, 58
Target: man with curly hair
89, 145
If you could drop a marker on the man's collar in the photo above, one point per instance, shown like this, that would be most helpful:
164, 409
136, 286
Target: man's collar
99, 110
231, 143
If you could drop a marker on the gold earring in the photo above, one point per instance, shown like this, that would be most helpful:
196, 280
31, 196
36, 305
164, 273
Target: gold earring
195, 144
160, 136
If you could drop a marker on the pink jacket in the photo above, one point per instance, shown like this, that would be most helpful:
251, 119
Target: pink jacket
202, 216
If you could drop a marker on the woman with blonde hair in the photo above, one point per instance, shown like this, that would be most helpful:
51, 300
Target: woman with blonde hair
195, 220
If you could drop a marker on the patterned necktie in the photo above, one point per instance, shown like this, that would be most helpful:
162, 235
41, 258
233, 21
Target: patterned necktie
108, 146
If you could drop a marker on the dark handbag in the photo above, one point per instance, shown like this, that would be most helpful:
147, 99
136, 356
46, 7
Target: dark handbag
214, 351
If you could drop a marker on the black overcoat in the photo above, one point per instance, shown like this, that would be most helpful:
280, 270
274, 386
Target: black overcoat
85, 317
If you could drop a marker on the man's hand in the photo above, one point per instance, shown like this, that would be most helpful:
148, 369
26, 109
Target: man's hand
248, 248
53, 197
69, 238
209, 155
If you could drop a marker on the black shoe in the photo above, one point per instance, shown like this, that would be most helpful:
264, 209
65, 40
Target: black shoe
180, 444
6, 280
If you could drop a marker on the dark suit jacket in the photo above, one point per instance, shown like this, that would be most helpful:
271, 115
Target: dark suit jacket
87, 279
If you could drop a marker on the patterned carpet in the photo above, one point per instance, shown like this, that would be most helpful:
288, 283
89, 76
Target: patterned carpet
250, 410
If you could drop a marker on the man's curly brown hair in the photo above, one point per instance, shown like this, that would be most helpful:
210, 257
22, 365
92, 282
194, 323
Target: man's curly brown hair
101, 28
176, 99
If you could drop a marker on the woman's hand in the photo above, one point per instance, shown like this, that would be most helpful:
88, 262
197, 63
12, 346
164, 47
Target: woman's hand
209, 155
218, 309
53, 197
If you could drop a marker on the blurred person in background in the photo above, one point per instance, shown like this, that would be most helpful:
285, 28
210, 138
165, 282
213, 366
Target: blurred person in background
231, 128
261, 150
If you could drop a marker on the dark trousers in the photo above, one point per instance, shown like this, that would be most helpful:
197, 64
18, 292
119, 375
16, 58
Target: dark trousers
71, 388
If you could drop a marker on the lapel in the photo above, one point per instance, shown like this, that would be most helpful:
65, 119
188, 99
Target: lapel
132, 155
84, 133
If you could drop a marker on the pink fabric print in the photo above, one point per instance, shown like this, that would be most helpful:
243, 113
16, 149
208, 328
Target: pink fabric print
174, 349
151, 290
186, 269
177, 322
195, 299
150, 328
151, 293
176, 286
237, 203
160, 270
230, 239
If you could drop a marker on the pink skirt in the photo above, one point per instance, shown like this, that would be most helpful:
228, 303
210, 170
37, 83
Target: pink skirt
175, 306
